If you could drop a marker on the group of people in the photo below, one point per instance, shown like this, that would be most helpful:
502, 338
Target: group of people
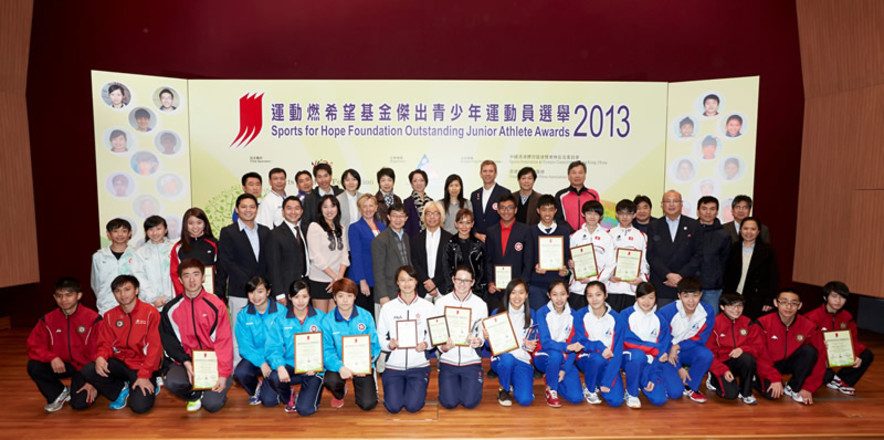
343, 263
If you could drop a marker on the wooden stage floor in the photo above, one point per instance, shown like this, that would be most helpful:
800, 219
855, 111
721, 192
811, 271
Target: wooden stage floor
833, 416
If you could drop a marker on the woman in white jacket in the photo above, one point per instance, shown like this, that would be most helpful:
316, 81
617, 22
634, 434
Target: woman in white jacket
151, 263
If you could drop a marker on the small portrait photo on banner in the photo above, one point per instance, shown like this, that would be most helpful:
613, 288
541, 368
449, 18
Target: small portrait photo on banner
731, 168
119, 141
683, 170
167, 99
708, 148
144, 163
707, 187
142, 119
145, 206
116, 95
168, 143
733, 126
170, 186
710, 104
684, 127
120, 185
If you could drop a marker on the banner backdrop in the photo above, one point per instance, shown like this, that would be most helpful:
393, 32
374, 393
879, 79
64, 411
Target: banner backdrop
619, 129
710, 148
141, 150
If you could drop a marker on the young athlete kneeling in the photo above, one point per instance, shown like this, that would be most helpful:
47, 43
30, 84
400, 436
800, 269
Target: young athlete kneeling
600, 330
251, 335
644, 348
690, 322
298, 317
407, 370
832, 316
736, 344
514, 370
558, 349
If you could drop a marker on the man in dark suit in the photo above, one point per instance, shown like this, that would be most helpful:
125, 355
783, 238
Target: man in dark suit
242, 251
428, 253
322, 172
508, 244
526, 198
741, 208
485, 199
674, 248
287, 250
390, 250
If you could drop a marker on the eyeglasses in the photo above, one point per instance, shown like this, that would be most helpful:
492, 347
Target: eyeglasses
432, 213
462, 281
506, 208
784, 302
398, 216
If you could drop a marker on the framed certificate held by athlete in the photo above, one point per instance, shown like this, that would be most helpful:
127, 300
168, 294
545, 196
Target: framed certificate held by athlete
629, 263
551, 252
308, 353
585, 265
205, 369
839, 348
356, 353
406, 333
459, 324
501, 335
209, 283
438, 328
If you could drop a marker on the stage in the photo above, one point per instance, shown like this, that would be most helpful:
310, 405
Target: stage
833, 416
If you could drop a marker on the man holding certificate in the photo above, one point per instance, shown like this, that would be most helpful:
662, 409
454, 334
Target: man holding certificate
630, 258
294, 351
507, 243
835, 322
402, 332
197, 321
552, 239
350, 347
592, 254
460, 366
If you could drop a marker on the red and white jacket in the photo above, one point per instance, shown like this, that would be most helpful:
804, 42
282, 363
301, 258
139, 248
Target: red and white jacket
842, 320
728, 335
631, 239
133, 338
782, 341
200, 323
73, 338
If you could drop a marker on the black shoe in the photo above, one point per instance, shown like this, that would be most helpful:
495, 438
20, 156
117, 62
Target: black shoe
503, 397
538, 374
491, 373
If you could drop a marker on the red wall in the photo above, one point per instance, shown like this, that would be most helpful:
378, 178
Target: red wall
393, 39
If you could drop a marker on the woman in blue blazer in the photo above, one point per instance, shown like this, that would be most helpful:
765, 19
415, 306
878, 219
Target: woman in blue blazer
360, 235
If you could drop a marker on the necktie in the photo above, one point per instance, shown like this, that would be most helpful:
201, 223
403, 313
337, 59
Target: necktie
548, 231
301, 248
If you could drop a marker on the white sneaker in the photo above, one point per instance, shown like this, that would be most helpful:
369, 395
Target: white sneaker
59, 401
593, 398
795, 396
709, 385
633, 402
748, 400
193, 406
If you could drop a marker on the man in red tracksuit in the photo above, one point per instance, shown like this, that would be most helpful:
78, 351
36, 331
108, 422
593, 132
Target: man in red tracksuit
831, 316
60, 344
736, 345
196, 320
129, 350
793, 344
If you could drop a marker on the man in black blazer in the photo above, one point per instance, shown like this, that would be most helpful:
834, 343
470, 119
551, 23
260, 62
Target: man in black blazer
508, 244
485, 199
287, 250
242, 254
431, 242
741, 208
674, 248
322, 172
390, 250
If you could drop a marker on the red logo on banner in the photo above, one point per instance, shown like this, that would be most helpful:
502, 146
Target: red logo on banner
250, 119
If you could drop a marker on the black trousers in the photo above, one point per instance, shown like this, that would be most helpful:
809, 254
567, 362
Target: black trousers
179, 384
51, 387
366, 389
743, 369
620, 301
800, 364
112, 385
576, 301
851, 375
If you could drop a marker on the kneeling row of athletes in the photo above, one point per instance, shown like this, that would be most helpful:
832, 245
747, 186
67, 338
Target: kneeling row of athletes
664, 353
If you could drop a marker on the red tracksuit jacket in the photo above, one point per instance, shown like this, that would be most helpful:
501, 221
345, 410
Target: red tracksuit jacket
728, 335
781, 342
201, 323
71, 338
842, 320
133, 338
